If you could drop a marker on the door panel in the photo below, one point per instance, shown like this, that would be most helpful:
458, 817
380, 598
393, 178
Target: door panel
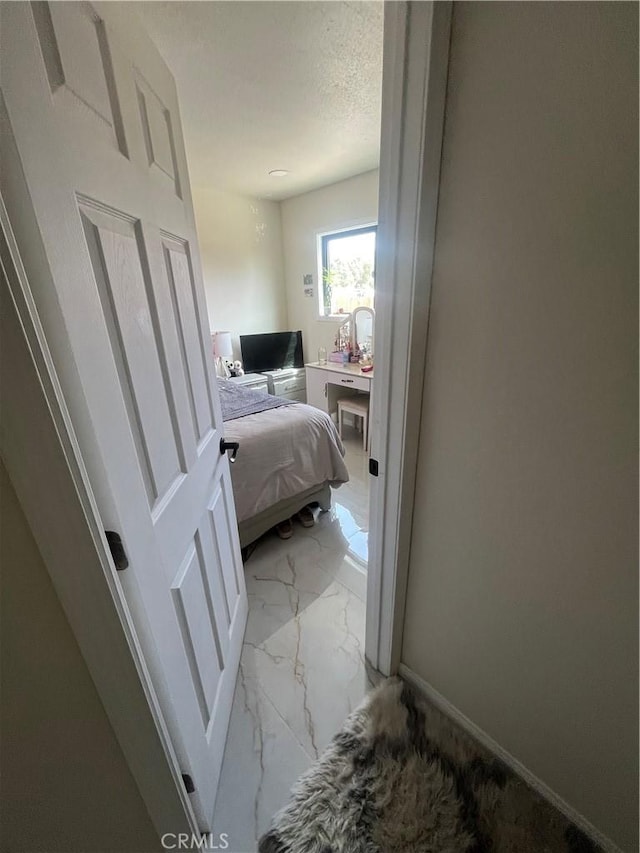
221, 525
113, 243
194, 359
192, 598
78, 63
94, 116
157, 130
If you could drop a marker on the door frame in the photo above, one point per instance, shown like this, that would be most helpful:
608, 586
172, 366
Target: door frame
42, 454
416, 60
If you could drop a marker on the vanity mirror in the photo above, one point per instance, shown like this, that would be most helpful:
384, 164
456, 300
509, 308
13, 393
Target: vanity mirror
362, 330
354, 338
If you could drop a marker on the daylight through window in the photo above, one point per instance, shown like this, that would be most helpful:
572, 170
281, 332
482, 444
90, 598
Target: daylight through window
348, 270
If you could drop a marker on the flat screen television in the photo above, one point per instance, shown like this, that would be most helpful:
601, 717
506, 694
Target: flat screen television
271, 351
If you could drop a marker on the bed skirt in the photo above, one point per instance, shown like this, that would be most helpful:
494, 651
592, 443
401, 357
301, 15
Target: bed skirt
251, 528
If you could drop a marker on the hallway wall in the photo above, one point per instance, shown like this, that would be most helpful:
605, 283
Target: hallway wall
64, 782
522, 603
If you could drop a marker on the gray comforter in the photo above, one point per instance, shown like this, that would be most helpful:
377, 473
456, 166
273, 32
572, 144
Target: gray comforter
238, 401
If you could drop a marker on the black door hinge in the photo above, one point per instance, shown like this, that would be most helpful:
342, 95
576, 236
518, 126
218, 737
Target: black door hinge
188, 783
117, 550
373, 467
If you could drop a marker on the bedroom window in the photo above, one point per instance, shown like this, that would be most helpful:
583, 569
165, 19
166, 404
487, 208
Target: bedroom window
348, 270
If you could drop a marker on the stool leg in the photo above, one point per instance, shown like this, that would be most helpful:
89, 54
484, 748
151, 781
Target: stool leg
365, 431
340, 421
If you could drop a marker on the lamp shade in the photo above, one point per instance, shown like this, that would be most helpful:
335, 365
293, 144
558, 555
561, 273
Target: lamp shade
222, 345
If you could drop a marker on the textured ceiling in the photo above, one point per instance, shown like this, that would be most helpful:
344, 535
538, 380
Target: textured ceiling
273, 85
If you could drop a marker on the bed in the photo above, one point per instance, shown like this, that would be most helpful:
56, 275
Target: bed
290, 455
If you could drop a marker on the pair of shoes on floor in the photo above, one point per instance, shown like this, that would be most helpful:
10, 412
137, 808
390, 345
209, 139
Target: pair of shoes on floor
285, 528
305, 517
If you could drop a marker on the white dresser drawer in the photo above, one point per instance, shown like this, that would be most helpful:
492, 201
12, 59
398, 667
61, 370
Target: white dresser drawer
251, 380
358, 383
289, 384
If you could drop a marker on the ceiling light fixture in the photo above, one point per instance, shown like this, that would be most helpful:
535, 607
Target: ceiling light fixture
279, 173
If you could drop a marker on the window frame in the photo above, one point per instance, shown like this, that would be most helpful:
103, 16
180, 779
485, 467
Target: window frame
323, 244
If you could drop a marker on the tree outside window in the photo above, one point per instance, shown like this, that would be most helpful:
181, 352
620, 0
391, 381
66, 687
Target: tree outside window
348, 270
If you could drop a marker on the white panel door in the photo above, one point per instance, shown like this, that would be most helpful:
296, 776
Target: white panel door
95, 179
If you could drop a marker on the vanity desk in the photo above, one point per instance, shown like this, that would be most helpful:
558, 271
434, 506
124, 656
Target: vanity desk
326, 383
332, 380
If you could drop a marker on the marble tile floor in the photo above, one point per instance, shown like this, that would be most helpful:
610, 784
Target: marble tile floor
302, 668
354, 495
351, 500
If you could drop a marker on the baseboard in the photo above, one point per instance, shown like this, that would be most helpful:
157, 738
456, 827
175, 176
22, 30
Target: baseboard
437, 699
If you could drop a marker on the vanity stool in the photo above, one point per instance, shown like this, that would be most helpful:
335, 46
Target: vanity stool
358, 406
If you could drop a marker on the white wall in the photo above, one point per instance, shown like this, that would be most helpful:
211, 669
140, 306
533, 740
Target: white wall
523, 583
346, 204
64, 782
241, 250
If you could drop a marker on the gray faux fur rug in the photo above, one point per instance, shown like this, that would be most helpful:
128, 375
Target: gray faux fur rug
401, 778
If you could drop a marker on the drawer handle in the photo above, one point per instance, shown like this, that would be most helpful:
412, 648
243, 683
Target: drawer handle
346, 380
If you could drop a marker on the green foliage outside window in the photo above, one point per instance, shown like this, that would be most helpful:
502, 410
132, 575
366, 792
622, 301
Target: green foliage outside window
348, 270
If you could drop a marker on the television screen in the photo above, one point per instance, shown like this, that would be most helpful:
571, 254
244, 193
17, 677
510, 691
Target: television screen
271, 351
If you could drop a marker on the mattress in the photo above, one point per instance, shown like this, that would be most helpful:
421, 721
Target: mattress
283, 452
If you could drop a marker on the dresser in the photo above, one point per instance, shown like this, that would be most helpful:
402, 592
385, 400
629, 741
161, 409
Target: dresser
290, 383
252, 380
326, 383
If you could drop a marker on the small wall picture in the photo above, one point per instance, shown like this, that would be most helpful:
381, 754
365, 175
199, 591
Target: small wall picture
307, 281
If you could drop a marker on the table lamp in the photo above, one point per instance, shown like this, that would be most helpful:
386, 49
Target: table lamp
222, 349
